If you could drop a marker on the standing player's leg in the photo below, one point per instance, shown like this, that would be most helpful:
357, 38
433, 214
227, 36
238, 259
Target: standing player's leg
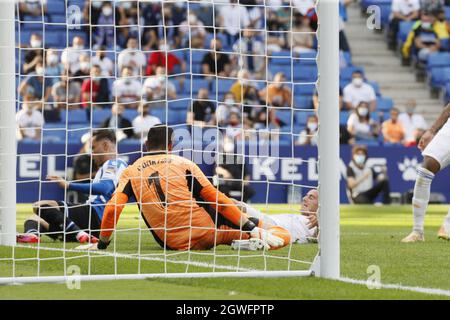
436, 156
444, 231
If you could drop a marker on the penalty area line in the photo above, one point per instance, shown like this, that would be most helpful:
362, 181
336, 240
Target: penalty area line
435, 291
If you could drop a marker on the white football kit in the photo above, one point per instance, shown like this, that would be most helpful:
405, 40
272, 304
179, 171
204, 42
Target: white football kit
296, 224
439, 146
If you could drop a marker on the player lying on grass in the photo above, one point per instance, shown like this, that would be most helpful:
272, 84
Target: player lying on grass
303, 227
78, 222
179, 205
435, 147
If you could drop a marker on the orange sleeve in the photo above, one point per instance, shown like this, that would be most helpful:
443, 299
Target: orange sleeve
220, 202
115, 205
112, 213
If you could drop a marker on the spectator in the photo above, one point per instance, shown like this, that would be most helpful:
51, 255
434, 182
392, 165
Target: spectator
252, 54
34, 54
95, 89
104, 27
202, 110
277, 94
358, 91
233, 18
401, 10
215, 57
423, 38
360, 125
302, 36
127, 90
144, 121
194, 31
29, 121
205, 14
158, 87
304, 6
132, 58
84, 69
53, 67
66, 93
36, 85
152, 17
255, 14
234, 128
232, 174
413, 123
70, 57
275, 39
244, 89
308, 136
225, 109
35, 8
364, 182
392, 129
164, 58
105, 63
117, 122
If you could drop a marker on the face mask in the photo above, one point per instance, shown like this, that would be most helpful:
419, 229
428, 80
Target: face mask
52, 59
426, 25
107, 11
126, 5
164, 47
39, 71
36, 43
78, 46
359, 159
229, 101
312, 126
192, 19
363, 112
84, 65
357, 82
410, 110
96, 4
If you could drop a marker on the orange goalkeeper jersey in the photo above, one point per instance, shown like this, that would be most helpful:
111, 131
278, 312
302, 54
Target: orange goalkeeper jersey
178, 203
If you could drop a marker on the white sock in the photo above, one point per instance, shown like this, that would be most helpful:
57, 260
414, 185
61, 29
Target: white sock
447, 222
421, 197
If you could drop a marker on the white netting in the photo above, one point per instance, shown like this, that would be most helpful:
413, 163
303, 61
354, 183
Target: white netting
242, 108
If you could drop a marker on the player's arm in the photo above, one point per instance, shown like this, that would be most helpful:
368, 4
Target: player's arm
114, 208
104, 187
438, 124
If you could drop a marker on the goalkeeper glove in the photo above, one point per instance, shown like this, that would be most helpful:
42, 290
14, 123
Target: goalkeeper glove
265, 235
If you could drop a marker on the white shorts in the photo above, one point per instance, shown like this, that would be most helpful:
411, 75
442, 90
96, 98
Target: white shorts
439, 146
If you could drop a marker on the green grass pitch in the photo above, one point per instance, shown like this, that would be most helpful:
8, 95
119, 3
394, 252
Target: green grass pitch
369, 236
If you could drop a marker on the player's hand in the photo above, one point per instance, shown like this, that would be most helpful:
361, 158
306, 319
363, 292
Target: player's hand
313, 222
61, 182
425, 140
89, 247
271, 240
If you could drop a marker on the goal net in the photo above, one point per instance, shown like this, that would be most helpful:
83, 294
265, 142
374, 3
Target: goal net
250, 91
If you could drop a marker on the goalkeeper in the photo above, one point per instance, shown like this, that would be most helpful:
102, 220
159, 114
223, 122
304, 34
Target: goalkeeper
73, 222
179, 205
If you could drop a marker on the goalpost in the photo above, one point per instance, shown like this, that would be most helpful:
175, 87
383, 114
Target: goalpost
45, 258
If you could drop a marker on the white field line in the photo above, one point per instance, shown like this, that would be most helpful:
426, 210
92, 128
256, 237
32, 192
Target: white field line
129, 256
434, 291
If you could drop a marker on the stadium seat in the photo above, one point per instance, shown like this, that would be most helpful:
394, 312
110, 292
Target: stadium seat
404, 29
301, 117
224, 86
285, 116
343, 117
304, 89
100, 115
384, 104
74, 116
447, 93
56, 7
303, 102
130, 114
438, 59
447, 12
375, 87
306, 74
346, 73
439, 76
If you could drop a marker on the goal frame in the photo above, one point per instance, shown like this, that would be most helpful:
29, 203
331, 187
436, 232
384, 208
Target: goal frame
326, 263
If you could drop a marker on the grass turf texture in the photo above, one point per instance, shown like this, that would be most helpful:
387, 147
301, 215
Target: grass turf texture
369, 236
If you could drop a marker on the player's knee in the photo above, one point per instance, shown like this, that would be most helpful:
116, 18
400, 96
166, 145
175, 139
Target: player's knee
431, 164
281, 233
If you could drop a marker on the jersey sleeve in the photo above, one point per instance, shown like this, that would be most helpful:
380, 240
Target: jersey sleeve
112, 170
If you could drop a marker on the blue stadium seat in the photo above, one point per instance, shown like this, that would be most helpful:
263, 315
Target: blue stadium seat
224, 86
100, 115
285, 116
404, 29
56, 7
304, 89
375, 87
74, 116
348, 58
447, 93
306, 74
303, 102
53, 135
438, 59
343, 117
301, 117
130, 114
180, 104
54, 39
447, 12
384, 104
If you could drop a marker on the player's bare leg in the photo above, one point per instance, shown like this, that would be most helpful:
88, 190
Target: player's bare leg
421, 197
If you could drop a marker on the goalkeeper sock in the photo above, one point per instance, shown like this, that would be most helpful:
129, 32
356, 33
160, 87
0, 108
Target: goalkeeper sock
421, 197
32, 227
